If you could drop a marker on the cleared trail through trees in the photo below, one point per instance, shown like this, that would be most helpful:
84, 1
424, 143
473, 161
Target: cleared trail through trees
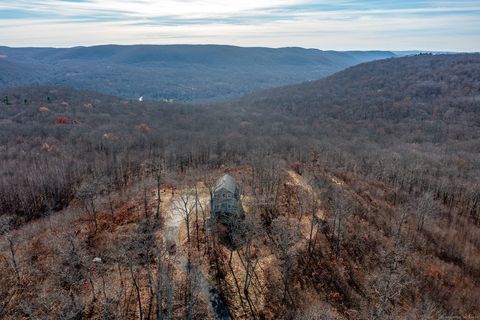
173, 221
300, 181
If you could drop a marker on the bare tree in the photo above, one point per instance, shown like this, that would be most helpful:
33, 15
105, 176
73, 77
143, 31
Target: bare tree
169, 290
424, 208
196, 217
156, 167
185, 205
134, 273
391, 284
341, 210
251, 231
6, 223
13, 257
285, 235
159, 297
88, 193
313, 220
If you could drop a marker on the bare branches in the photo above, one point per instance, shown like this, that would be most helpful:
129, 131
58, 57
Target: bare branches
185, 205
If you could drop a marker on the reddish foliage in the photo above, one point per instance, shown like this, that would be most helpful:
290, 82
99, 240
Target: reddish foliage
239, 169
65, 120
125, 214
333, 295
434, 271
143, 127
62, 120
46, 147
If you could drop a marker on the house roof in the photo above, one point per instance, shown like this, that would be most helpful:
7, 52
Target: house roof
226, 182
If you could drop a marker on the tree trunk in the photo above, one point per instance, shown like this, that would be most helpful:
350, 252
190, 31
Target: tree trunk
137, 290
196, 217
14, 259
157, 215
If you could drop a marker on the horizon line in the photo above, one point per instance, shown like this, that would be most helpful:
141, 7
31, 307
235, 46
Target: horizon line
230, 45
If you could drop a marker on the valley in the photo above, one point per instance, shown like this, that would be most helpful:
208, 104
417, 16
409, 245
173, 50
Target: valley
183, 73
360, 190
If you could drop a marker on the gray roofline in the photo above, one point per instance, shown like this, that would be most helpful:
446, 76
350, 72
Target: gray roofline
227, 182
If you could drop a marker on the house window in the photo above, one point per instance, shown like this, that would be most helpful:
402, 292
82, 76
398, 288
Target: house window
223, 195
229, 195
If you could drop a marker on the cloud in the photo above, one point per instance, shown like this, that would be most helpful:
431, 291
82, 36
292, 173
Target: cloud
344, 24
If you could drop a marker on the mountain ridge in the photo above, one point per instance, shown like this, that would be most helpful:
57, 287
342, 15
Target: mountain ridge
430, 76
179, 72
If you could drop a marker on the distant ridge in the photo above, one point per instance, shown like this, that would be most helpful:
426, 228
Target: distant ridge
178, 72
404, 53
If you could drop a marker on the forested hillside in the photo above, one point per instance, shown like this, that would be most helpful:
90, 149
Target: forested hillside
360, 190
178, 72
411, 88
421, 113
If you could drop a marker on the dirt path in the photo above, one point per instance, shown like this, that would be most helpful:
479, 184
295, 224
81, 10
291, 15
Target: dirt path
300, 181
173, 222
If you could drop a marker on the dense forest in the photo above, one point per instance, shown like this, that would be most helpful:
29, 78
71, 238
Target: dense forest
173, 72
418, 113
361, 194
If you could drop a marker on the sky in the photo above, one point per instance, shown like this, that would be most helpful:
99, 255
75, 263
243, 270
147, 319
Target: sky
330, 25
